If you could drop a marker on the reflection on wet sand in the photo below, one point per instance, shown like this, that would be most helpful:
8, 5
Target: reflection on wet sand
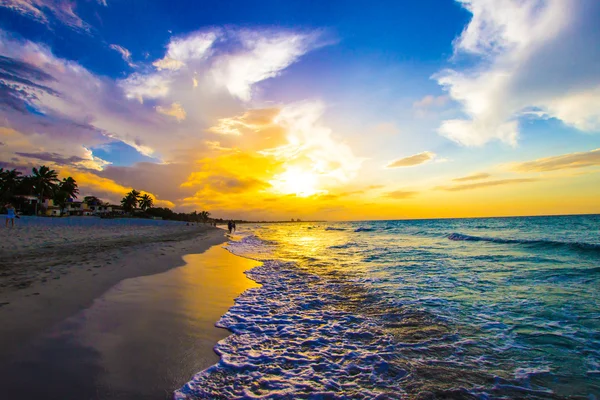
142, 339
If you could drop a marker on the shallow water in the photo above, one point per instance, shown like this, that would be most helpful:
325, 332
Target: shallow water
463, 308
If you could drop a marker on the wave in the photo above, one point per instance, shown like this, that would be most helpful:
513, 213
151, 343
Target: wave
344, 246
288, 339
331, 228
548, 244
361, 229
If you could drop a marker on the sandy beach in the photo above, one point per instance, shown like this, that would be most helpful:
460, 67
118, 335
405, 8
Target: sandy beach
56, 281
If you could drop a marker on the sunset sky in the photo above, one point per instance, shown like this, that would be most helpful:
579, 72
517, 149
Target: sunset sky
310, 109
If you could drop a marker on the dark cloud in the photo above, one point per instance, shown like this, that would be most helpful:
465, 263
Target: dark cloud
565, 161
19, 83
400, 194
498, 182
52, 157
473, 177
412, 160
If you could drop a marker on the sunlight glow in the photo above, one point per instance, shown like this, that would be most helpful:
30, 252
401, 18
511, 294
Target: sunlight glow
296, 181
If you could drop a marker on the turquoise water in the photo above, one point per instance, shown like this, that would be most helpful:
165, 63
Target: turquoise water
462, 308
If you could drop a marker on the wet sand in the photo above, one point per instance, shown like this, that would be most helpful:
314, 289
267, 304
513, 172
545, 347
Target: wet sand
142, 339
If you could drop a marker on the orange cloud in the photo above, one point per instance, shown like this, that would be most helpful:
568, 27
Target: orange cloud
565, 161
473, 177
412, 160
479, 185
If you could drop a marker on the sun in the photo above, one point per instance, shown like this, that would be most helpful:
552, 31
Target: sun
296, 181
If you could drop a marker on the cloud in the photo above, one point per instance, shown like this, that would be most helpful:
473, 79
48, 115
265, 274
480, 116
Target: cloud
90, 161
263, 55
529, 56
175, 110
151, 86
565, 161
473, 177
230, 60
430, 101
59, 110
499, 182
125, 54
42, 10
400, 194
412, 160
182, 50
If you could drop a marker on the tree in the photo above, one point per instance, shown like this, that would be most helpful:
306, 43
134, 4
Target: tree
44, 183
9, 183
92, 201
65, 190
130, 201
146, 202
60, 199
69, 186
204, 215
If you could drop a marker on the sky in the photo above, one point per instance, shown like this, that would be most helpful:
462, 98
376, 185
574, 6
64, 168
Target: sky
336, 110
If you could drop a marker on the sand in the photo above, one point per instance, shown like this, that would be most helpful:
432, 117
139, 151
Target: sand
66, 301
142, 339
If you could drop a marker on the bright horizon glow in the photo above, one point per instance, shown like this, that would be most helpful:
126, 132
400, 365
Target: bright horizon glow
344, 111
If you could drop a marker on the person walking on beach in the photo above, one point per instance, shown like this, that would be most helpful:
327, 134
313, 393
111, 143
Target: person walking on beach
233, 225
229, 226
10, 214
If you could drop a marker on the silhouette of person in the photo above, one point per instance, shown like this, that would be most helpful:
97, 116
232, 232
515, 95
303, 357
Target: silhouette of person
233, 225
230, 226
10, 209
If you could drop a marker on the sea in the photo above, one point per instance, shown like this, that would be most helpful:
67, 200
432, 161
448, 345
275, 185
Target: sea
485, 308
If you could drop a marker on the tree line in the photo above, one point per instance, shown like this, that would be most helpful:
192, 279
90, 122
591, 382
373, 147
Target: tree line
43, 183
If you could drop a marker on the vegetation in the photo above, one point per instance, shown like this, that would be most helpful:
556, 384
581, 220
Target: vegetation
146, 202
130, 201
43, 183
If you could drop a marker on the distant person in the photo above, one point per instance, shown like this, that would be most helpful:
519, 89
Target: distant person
10, 209
234, 226
229, 226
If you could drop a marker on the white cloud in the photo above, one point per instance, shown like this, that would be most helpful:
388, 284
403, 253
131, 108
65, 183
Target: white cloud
222, 60
531, 56
152, 86
125, 54
263, 55
41, 10
181, 50
311, 146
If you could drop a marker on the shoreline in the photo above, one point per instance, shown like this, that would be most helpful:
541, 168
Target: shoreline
43, 286
144, 338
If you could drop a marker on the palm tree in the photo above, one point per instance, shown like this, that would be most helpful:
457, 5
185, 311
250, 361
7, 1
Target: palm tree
65, 190
69, 186
130, 200
44, 182
204, 215
146, 202
9, 182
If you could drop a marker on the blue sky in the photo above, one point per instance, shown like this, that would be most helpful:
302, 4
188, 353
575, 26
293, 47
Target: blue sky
336, 96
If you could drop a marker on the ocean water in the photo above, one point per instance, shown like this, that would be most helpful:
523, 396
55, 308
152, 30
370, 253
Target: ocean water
460, 308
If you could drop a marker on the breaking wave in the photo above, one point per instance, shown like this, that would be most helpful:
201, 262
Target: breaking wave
548, 244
